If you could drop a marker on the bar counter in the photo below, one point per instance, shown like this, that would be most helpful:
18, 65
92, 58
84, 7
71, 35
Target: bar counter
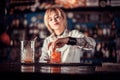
71, 71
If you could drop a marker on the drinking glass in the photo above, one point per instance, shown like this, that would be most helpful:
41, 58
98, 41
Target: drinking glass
55, 57
27, 51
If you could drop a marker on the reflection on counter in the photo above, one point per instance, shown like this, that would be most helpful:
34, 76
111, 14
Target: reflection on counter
78, 69
27, 68
68, 69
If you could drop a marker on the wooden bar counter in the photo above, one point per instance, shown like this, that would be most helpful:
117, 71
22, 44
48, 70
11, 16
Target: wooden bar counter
66, 71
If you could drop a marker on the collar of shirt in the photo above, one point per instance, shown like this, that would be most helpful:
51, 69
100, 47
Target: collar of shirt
64, 34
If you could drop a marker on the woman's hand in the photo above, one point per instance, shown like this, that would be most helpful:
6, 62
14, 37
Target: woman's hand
58, 43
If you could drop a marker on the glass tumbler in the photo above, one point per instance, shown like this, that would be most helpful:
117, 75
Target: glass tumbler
55, 57
27, 51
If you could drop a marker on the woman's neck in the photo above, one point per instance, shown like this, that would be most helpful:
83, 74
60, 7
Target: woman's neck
58, 32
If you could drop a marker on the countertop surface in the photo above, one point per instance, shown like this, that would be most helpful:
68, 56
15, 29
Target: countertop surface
66, 70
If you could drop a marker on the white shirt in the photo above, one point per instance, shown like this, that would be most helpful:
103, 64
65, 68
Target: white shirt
69, 53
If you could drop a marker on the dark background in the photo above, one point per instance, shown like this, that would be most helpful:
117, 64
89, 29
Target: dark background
101, 22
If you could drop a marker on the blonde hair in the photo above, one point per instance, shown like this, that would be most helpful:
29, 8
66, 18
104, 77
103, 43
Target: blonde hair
60, 13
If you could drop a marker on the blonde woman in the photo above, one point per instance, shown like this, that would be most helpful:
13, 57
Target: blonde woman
69, 43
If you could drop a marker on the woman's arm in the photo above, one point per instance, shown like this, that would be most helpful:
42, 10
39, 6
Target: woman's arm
86, 43
78, 38
75, 38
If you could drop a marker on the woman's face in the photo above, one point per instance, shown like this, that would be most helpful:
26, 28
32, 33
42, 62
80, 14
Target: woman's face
56, 21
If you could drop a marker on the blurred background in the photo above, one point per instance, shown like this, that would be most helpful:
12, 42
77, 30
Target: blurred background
23, 20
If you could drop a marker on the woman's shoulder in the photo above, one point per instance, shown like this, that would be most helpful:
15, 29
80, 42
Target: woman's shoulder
48, 38
76, 33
